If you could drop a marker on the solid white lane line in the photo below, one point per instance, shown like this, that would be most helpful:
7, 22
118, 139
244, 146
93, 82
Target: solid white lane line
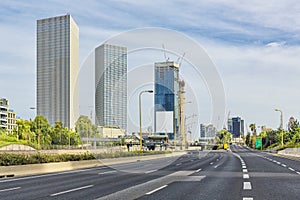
283, 165
9, 189
245, 175
72, 190
54, 174
108, 172
148, 172
156, 189
245, 170
198, 170
247, 198
247, 186
291, 169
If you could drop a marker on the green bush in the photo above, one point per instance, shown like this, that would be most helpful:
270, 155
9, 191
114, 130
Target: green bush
23, 159
7, 159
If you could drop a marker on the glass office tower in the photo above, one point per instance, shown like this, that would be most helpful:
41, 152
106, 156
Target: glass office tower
111, 86
57, 69
166, 98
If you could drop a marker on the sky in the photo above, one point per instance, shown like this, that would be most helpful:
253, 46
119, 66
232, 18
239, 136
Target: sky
254, 46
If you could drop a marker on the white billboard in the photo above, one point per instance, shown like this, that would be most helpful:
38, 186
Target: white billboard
164, 121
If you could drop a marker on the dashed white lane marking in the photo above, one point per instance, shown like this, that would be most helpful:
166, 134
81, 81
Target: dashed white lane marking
156, 189
247, 186
178, 164
247, 198
72, 190
198, 170
148, 172
298, 173
211, 163
283, 165
244, 167
10, 189
245, 176
245, 170
216, 166
291, 169
108, 172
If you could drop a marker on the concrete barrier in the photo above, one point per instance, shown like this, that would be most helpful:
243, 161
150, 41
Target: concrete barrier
290, 151
34, 169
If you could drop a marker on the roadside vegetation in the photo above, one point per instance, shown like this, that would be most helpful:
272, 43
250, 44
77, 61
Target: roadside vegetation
223, 139
272, 139
7, 159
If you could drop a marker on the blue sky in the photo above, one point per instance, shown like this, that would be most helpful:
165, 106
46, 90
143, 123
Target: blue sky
255, 46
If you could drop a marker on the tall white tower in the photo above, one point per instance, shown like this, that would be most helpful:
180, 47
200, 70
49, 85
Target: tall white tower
111, 86
57, 69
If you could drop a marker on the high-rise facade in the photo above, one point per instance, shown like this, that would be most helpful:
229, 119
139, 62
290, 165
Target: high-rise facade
111, 86
166, 98
57, 69
3, 113
236, 127
8, 119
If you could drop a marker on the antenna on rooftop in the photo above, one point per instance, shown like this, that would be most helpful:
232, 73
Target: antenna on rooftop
179, 60
164, 50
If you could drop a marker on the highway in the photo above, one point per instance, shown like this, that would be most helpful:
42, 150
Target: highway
240, 173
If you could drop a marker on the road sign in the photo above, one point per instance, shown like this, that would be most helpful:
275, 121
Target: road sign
258, 143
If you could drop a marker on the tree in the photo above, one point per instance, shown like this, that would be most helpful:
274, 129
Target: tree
42, 129
85, 128
223, 137
23, 131
296, 137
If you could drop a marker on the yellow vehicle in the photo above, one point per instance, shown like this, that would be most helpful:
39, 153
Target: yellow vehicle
226, 146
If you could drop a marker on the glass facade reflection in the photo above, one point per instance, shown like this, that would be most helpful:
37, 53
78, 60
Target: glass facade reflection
166, 93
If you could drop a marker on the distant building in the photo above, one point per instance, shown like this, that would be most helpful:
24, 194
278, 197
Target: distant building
3, 113
57, 69
166, 98
111, 85
208, 131
8, 120
110, 132
202, 131
291, 122
11, 120
236, 126
265, 129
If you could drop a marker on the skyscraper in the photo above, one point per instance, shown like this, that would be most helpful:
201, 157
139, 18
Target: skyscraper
236, 127
57, 69
166, 98
111, 85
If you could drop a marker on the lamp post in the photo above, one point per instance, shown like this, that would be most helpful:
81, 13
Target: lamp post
140, 112
38, 126
281, 125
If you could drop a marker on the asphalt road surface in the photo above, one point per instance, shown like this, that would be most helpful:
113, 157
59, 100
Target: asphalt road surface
240, 174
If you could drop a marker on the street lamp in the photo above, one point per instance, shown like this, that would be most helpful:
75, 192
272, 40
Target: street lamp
281, 125
38, 126
140, 112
